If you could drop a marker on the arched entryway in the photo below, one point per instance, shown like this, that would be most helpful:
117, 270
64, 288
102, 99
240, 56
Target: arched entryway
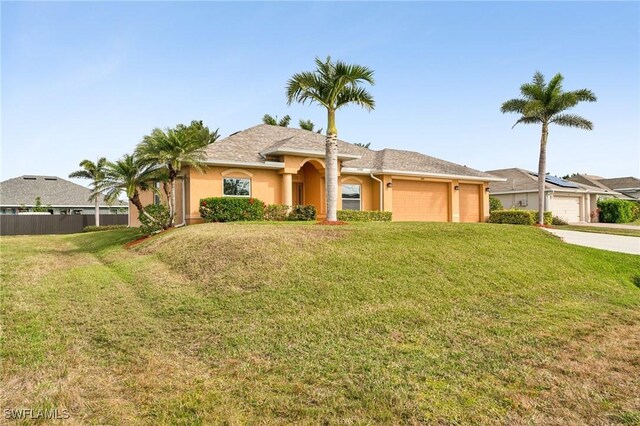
308, 185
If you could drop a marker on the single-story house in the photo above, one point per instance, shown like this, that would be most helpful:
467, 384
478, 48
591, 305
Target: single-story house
57, 195
280, 165
571, 201
628, 186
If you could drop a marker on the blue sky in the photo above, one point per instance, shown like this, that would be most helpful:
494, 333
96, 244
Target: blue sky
82, 80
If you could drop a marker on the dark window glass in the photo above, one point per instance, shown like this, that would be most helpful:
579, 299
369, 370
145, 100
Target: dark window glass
350, 197
237, 187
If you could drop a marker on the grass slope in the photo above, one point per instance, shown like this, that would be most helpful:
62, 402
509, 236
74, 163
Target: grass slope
280, 323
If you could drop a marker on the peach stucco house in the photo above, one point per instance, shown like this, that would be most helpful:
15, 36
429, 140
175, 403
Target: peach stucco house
281, 165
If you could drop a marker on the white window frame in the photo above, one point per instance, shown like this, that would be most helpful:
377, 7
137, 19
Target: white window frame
359, 185
238, 178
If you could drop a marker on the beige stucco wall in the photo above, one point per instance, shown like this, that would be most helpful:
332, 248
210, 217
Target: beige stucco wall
267, 185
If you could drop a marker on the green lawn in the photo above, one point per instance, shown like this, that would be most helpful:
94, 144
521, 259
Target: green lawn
599, 230
291, 323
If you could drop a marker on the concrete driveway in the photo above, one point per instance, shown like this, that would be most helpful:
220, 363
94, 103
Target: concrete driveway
618, 243
607, 225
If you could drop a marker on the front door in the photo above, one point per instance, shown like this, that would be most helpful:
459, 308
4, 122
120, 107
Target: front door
298, 194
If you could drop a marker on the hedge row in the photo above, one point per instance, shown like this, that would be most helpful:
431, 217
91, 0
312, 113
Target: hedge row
614, 210
363, 216
518, 217
228, 209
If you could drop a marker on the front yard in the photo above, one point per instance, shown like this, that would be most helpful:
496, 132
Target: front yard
280, 323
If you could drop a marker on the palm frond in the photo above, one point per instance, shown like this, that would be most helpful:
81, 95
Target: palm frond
81, 174
268, 119
527, 120
572, 120
584, 95
357, 95
513, 105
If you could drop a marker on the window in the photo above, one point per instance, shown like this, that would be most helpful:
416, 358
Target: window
236, 187
350, 196
77, 211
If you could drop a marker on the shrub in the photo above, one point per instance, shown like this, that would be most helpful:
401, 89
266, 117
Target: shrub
159, 212
614, 210
302, 213
558, 221
513, 217
276, 212
635, 211
362, 216
93, 228
231, 209
548, 217
495, 204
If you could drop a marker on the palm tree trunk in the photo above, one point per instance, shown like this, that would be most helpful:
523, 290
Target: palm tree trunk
331, 164
173, 203
97, 201
135, 200
542, 170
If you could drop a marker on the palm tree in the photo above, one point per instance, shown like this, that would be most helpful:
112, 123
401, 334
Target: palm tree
94, 172
544, 104
308, 125
172, 149
332, 85
128, 175
283, 122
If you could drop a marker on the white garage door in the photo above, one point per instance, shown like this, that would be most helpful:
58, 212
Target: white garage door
567, 208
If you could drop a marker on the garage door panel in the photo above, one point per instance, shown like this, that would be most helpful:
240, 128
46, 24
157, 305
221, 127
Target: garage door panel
470, 202
420, 201
567, 208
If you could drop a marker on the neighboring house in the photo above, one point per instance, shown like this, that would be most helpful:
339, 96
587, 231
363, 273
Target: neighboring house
629, 186
281, 165
57, 195
571, 201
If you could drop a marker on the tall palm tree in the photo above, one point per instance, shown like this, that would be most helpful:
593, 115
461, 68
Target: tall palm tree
308, 125
173, 149
95, 173
332, 85
128, 175
545, 104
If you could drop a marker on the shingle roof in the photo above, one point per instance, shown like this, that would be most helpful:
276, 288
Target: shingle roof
52, 190
519, 180
256, 143
621, 182
588, 180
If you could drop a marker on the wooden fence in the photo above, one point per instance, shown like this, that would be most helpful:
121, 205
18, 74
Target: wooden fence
54, 224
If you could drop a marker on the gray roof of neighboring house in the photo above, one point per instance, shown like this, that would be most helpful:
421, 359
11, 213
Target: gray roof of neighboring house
588, 180
52, 191
258, 143
520, 180
629, 182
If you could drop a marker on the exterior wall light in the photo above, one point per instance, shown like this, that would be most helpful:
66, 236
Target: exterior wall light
457, 187
389, 184
487, 189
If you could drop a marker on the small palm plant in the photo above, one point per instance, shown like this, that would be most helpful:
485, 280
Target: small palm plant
173, 149
128, 175
332, 85
545, 104
95, 173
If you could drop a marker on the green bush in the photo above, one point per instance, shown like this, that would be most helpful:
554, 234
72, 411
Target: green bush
276, 212
635, 211
159, 212
92, 228
495, 204
614, 210
302, 213
362, 216
548, 217
231, 209
558, 221
512, 217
